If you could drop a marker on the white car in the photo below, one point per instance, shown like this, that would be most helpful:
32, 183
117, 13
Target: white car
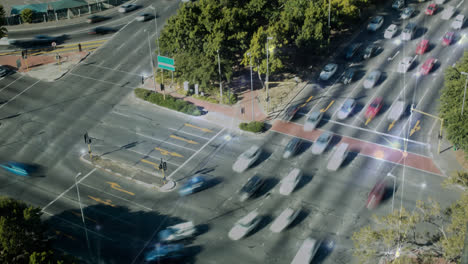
177, 232
375, 23
246, 159
407, 13
244, 225
390, 31
307, 251
328, 71
448, 12
405, 64
127, 8
458, 21
322, 142
372, 79
284, 219
313, 120
346, 108
290, 182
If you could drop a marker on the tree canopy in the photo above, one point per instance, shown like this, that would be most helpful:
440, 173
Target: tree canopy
3, 30
23, 237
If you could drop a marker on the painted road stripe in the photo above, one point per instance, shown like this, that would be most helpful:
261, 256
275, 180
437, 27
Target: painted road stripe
200, 128
117, 187
168, 153
183, 139
151, 163
330, 104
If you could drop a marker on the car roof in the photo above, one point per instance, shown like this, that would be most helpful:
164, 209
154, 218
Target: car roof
460, 16
252, 150
249, 217
348, 102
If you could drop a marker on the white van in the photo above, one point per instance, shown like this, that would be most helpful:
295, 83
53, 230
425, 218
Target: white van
338, 156
307, 251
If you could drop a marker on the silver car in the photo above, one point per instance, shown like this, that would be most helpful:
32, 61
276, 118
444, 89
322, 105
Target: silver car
372, 79
322, 142
313, 120
407, 13
375, 23
328, 71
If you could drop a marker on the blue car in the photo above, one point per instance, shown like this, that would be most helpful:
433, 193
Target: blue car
165, 251
16, 168
194, 184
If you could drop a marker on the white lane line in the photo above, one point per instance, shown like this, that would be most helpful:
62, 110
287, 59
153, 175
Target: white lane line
164, 141
98, 80
194, 154
64, 192
14, 97
107, 68
11, 83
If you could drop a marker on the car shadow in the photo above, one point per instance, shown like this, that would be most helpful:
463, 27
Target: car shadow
303, 147
333, 142
299, 219
355, 110
201, 229
324, 250
266, 220
419, 33
263, 156
389, 192
189, 255
266, 188
305, 179
352, 154
436, 66
384, 108
212, 182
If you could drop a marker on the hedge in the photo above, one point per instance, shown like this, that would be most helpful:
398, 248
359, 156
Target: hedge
253, 126
170, 102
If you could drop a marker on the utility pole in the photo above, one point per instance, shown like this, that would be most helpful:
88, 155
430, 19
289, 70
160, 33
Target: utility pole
329, 10
220, 83
267, 91
251, 85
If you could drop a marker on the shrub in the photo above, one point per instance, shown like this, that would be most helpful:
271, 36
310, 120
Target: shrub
27, 15
254, 126
170, 102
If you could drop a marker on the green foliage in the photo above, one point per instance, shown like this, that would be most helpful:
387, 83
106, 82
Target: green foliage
23, 236
27, 15
3, 30
457, 178
451, 101
170, 102
254, 126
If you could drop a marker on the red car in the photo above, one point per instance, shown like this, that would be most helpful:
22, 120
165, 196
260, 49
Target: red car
374, 107
422, 46
376, 194
431, 9
427, 66
447, 39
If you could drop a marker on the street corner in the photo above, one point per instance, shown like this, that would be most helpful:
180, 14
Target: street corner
169, 186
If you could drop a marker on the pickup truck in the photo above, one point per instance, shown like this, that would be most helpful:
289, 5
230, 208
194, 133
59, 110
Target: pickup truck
448, 12
177, 232
396, 110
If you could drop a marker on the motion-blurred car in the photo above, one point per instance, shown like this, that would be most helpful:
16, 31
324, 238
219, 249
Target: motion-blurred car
313, 120
422, 46
244, 225
291, 147
348, 76
3, 70
397, 4
448, 12
102, 30
284, 219
375, 23
376, 194
328, 71
290, 182
144, 17
374, 108
346, 108
372, 79
95, 19
431, 9
351, 50
369, 51
458, 22
193, 185
322, 142
408, 31
43, 39
307, 251
390, 31
405, 64
177, 232
291, 111
165, 251
246, 159
427, 66
252, 185
16, 168
127, 8
448, 38
407, 12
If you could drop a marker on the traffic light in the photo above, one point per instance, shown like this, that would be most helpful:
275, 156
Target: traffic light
164, 166
24, 54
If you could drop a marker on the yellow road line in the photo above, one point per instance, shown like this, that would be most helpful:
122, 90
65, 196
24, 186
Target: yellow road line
330, 104
79, 215
117, 187
151, 163
166, 152
200, 128
368, 120
99, 200
309, 98
415, 128
183, 139
391, 125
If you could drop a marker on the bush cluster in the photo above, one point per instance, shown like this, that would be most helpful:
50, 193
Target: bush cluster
254, 126
170, 102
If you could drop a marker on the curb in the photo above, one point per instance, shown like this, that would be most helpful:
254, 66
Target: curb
169, 186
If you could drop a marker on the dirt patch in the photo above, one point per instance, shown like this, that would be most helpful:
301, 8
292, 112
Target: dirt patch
460, 155
280, 94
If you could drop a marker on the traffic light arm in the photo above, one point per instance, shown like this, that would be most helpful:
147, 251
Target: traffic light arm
436, 117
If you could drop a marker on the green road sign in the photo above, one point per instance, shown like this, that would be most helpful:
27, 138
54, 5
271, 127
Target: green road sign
166, 63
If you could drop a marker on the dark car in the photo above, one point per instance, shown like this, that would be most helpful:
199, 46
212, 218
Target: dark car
43, 40
16, 168
250, 187
96, 18
3, 70
348, 76
369, 51
194, 184
291, 147
165, 251
102, 30
291, 111
351, 50
376, 194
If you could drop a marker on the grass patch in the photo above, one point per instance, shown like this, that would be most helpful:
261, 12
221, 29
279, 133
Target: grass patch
170, 102
254, 126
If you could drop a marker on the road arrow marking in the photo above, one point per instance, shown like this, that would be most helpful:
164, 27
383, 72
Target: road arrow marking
117, 187
330, 104
200, 128
391, 58
415, 128
368, 120
156, 166
391, 125
166, 153
183, 139
99, 200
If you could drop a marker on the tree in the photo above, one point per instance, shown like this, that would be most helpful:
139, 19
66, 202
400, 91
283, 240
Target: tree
23, 237
3, 30
27, 15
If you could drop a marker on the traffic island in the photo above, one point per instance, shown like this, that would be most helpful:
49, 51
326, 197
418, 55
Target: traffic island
136, 175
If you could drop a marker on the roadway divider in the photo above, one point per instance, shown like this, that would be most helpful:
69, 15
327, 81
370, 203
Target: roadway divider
88, 45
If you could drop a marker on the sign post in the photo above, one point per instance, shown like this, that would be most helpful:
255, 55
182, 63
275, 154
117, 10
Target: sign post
165, 63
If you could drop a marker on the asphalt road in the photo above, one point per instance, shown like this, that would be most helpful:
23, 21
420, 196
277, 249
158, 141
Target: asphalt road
44, 123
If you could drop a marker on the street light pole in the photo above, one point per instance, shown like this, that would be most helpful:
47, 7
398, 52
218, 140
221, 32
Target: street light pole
329, 10
464, 93
82, 215
220, 84
152, 66
267, 91
251, 86
156, 26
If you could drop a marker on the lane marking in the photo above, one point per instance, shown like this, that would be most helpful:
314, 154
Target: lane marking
99, 200
391, 125
87, 218
17, 94
117, 187
325, 109
184, 139
193, 135
69, 188
200, 128
156, 166
194, 154
416, 127
165, 142
168, 153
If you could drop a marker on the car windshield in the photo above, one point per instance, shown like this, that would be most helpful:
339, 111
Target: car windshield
314, 116
250, 153
292, 143
250, 184
376, 20
323, 138
329, 68
374, 105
